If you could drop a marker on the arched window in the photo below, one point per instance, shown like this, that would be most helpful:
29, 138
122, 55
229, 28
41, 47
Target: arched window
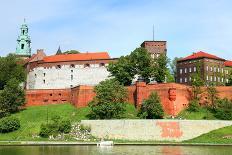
87, 65
72, 66
102, 64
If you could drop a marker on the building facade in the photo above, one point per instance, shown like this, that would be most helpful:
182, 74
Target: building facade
66, 70
212, 69
155, 48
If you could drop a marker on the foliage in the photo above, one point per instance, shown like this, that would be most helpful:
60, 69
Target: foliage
229, 79
173, 67
109, 100
55, 126
85, 128
223, 109
9, 69
151, 108
139, 64
169, 77
197, 82
202, 114
9, 124
194, 106
123, 70
161, 66
11, 97
71, 52
212, 94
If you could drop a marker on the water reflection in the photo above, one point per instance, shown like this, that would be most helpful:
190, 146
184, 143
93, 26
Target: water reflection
115, 150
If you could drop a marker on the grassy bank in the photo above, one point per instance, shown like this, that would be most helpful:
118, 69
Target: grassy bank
219, 136
32, 117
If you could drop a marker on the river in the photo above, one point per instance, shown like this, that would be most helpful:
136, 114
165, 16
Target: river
116, 150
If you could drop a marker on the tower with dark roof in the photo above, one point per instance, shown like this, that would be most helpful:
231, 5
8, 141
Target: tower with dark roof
59, 52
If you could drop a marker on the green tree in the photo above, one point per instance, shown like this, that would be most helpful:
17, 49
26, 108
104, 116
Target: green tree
161, 66
11, 97
123, 70
212, 95
151, 108
109, 100
169, 76
229, 79
197, 82
11, 68
173, 67
71, 52
194, 106
223, 109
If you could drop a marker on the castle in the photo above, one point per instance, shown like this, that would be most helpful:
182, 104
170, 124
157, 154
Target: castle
63, 78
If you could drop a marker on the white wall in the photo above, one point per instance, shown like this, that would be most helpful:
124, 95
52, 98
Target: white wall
61, 78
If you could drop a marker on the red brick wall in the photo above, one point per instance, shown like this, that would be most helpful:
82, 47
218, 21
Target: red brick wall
174, 97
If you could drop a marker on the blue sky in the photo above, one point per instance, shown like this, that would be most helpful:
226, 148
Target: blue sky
119, 26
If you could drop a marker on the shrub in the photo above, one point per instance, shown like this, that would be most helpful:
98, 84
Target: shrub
151, 108
194, 106
9, 124
109, 101
56, 126
223, 109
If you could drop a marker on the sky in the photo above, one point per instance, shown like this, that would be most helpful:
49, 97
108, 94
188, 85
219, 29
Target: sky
119, 26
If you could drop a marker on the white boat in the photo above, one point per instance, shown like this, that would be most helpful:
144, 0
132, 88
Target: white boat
105, 143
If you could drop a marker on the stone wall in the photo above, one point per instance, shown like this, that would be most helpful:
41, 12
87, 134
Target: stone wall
152, 130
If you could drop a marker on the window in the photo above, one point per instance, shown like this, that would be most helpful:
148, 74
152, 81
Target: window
23, 32
44, 81
44, 74
222, 79
215, 69
87, 65
185, 80
222, 70
207, 77
211, 78
227, 80
50, 94
207, 68
71, 86
190, 78
102, 64
22, 46
218, 70
59, 94
59, 66
35, 75
211, 69
72, 66
215, 78
72, 71
190, 69
185, 70
218, 79
180, 71
194, 69
71, 77
180, 80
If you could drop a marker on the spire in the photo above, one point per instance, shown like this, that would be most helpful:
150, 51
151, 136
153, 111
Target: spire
58, 51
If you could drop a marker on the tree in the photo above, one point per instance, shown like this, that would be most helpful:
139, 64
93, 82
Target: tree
151, 108
109, 100
197, 82
10, 68
123, 70
213, 95
161, 64
194, 106
169, 76
229, 79
173, 67
11, 97
71, 52
223, 109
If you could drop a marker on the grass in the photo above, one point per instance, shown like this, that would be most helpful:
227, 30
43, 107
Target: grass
202, 114
215, 137
32, 117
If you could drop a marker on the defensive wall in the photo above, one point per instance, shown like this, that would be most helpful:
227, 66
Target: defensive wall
174, 97
152, 130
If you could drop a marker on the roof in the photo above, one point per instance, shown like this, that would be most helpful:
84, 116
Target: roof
77, 57
228, 63
200, 54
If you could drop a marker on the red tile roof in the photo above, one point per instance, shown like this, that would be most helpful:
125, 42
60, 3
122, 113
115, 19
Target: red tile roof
228, 63
200, 54
77, 57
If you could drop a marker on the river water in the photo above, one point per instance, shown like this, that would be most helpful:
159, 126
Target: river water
116, 150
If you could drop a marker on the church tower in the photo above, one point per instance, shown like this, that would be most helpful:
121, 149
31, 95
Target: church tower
23, 42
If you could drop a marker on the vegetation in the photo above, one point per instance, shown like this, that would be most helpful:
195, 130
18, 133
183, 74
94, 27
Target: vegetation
202, 114
71, 52
151, 108
173, 67
11, 94
194, 106
219, 136
9, 124
139, 64
212, 95
109, 101
229, 79
223, 109
56, 126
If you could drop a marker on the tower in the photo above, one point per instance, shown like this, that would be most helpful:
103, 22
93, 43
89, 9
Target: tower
23, 48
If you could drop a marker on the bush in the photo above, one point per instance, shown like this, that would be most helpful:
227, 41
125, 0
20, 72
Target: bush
55, 126
194, 106
223, 109
9, 124
109, 101
151, 108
